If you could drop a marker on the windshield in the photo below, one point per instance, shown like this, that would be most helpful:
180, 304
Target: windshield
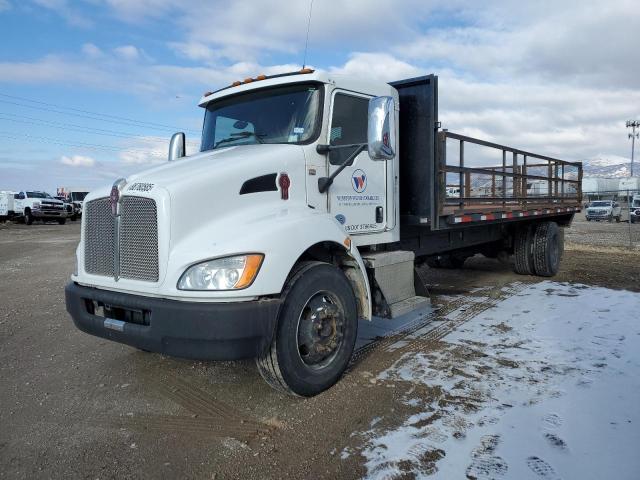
287, 114
38, 195
78, 196
600, 204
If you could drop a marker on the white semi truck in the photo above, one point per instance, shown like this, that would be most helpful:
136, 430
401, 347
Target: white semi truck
306, 210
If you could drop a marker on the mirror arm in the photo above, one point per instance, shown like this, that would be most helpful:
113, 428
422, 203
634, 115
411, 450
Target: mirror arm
325, 182
323, 148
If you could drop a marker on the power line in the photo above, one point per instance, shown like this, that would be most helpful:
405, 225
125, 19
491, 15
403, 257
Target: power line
69, 126
91, 146
51, 107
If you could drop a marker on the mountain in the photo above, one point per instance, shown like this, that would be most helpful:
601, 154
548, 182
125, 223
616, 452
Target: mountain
615, 167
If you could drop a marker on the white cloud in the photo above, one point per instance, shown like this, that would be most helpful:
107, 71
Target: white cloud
127, 52
77, 161
149, 150
62, 8
4, 5
378, 66
91, 50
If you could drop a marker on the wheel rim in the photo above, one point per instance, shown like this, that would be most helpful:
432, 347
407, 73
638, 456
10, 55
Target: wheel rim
320, 331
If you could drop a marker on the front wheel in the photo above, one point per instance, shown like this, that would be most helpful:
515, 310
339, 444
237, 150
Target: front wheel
28, 218
618, 219
62, 221
315, 334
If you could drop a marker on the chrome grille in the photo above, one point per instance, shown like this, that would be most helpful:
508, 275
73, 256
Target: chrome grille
138, 239
99, 238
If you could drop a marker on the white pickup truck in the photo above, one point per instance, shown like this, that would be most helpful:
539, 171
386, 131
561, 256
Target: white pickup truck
311, 200
604, 210
634, 211
35, 205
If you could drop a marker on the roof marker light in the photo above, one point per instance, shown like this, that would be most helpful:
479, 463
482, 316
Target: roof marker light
261, 77
236, 83
307, 70
247, 80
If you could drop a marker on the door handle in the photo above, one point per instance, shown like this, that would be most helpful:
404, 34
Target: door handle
379, 215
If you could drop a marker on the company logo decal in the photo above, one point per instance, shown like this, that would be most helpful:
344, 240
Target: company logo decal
359, 179
341, 219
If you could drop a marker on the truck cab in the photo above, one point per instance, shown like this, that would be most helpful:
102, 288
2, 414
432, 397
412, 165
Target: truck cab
36, 205
305, 210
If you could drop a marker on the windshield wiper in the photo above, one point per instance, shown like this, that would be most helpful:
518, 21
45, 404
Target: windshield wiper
240, 136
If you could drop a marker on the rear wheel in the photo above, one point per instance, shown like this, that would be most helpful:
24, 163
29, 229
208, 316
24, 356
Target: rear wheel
548, 246
618, 219
315, 334
523, 251
62, 221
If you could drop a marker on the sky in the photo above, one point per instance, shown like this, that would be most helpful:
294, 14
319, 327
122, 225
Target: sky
92, 90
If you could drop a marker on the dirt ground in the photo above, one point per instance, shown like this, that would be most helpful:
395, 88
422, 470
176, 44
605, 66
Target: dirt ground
76, 406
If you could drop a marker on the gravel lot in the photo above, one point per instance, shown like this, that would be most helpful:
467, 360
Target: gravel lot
604, 234
75, 406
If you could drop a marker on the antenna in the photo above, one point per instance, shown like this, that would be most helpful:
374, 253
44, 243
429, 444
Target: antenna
306, 43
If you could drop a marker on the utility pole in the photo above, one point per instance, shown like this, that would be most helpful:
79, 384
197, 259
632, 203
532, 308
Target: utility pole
633, 124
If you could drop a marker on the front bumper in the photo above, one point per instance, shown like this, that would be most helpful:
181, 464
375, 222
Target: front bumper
598, 216
205, 331
49, 213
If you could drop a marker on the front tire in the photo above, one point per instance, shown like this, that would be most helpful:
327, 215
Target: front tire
62, 221
315, 334
28, 218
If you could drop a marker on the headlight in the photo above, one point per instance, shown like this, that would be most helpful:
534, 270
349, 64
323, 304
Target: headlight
36, 205
230, 273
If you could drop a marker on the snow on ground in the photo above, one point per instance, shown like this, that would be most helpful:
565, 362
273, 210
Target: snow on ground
544, 385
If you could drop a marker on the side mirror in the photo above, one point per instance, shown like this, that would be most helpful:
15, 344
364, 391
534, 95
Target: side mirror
177, 146
381, 132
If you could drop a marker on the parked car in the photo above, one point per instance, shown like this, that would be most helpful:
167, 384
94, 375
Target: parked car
32, 205
634, 211
604, 210
68, 207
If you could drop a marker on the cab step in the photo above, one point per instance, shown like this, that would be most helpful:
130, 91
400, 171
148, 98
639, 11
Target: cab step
393, 285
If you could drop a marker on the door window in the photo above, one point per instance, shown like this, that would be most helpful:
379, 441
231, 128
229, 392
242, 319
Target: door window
348, 125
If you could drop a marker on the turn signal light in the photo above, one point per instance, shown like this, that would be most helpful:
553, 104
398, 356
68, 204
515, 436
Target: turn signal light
251, 268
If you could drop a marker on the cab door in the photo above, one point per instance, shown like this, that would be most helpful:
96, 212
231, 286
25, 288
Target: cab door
358, 195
